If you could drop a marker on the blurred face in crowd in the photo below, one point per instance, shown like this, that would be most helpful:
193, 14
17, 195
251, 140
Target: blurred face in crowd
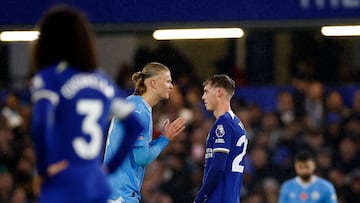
305, 169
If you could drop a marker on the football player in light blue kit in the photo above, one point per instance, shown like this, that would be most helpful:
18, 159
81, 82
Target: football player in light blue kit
225, 146
152, 85
307, 187
72, 105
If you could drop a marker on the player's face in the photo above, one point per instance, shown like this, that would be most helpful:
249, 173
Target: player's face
163, 84
305, 169
209, 97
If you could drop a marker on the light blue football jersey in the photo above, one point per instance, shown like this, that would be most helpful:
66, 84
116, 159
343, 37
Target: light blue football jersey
126, 181
318, 190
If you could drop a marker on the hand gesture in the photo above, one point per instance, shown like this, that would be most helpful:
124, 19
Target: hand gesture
171, 130
53, 169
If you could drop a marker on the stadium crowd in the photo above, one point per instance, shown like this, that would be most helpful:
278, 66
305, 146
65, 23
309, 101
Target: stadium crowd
310, 116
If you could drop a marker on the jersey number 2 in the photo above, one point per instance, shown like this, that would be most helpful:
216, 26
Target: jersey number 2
236, 166
92, 109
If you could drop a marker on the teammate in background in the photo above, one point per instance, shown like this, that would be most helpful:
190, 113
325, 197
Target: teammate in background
306, 187
72, 102
226, 145
152, 85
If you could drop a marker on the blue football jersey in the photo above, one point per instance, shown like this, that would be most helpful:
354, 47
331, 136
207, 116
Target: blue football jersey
228, 137
318, 190
74, 130
126, 181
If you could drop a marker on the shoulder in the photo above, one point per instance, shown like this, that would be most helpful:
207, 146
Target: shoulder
224, 119
324, 183
289, 182
230, 120
131, 97
42, 77
137, 100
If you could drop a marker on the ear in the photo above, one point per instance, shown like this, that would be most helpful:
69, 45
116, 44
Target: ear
219, 92
153, 84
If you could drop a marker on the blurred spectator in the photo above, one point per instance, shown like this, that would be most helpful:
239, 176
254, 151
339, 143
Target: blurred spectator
324, 161
270, 124
245, 117
314, 105
12, 111
256, 113
334, 103
314, 139
355, 107
348, 156
338, 178
285, 107
271, 189
8, 154
332, 134
255, 197
300, 84
123, 78
19, 196
258, 168
6, 184
354, 193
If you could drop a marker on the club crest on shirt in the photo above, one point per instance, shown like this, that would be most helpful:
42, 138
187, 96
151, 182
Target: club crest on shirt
220, 131
315, 195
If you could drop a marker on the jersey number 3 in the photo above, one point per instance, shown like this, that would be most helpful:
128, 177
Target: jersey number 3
236, 166
92, 109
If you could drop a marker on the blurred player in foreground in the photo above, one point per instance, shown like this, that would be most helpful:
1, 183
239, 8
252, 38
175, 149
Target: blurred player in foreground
72, 102
152, 85
306, 187
226, 145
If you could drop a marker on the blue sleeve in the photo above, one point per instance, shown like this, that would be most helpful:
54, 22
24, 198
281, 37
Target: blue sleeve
144, 155
132, 127
42, 118
283, 193
215, 173
331, 193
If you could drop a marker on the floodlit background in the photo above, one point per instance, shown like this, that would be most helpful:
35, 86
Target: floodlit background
297, 87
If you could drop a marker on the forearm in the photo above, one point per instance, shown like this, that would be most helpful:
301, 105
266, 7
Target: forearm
132, 127
145, 155
41, 130
213, 178
209, 185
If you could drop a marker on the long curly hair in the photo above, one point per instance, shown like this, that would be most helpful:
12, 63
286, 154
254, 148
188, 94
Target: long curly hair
65, 35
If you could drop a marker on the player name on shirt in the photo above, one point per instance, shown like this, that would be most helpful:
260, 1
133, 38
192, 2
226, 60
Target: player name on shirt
81, 81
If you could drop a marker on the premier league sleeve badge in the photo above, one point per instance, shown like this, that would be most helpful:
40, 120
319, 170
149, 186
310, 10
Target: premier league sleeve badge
220, 132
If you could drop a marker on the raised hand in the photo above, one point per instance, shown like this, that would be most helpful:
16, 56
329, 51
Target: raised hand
171, 130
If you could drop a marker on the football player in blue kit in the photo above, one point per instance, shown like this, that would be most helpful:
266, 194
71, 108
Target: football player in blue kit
72, 105
225, 146
306, 187
152, 85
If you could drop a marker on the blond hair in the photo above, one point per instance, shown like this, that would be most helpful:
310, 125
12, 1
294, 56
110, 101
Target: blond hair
149, 70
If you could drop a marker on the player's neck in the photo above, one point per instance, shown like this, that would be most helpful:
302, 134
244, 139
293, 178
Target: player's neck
308, 180
221, 109
151, 99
